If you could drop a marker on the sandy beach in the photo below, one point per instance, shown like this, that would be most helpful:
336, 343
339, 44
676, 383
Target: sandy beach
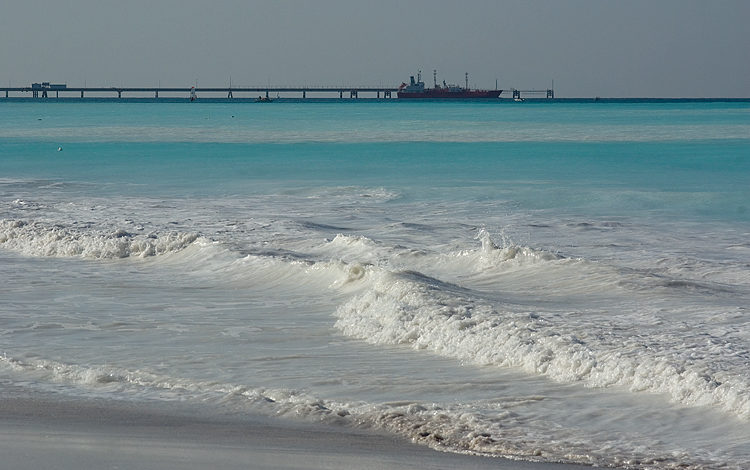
52, 433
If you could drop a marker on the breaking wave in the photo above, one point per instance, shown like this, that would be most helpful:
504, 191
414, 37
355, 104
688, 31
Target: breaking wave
412, 309
40, 239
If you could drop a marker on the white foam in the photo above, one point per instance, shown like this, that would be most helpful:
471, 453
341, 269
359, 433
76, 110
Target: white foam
452, 427
354, 248
509, 256
40, 239
408, 308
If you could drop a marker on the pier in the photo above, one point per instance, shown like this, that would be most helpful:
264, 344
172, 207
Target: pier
46, 90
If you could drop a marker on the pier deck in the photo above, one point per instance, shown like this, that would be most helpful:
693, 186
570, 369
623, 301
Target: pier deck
187, 92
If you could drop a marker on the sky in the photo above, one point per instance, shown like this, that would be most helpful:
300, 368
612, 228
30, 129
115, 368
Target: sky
607, 48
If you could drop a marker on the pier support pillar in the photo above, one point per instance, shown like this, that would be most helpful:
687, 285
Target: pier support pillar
378, 94
57, 94
81, 93
516, 94
119, 93
386, 94
266, 93
353, 94
156, 93
230, 94
44, 94
304, 94
6, 93
551, 94
341, 94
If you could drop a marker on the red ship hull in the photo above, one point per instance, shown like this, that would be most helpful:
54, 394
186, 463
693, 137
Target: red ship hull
439, 94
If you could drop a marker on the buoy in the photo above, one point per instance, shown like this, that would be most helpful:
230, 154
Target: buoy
59, 149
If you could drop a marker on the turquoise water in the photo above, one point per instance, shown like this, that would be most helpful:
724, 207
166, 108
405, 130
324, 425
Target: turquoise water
694, 156
547, 281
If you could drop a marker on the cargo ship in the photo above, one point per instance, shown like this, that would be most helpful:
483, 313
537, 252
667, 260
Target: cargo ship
416, 89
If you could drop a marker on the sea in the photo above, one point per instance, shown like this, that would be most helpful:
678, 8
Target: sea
544, 281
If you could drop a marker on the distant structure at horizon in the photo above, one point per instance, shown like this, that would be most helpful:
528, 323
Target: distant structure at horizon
414, 90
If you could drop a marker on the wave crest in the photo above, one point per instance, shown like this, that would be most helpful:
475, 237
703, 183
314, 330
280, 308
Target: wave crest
39, 239
493, 254
404, 308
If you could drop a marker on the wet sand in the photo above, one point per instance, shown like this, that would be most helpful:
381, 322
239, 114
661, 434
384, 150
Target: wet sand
52, 433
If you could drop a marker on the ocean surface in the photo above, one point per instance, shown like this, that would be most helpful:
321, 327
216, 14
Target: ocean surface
564, 282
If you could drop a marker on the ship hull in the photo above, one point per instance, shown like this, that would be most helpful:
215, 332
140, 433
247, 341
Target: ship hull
445, 94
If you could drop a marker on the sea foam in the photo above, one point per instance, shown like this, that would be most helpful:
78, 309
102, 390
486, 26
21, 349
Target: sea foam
425, 313
446, 427
40, 239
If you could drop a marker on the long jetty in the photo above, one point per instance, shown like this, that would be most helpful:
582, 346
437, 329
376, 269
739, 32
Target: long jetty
52, 90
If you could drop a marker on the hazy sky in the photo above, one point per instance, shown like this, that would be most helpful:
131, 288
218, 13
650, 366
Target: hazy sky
588, 47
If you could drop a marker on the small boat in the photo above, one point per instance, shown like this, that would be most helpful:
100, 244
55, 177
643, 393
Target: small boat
262, 99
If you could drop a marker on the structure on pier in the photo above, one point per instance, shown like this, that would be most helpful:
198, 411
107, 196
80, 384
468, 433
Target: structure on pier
44, 87
549, 93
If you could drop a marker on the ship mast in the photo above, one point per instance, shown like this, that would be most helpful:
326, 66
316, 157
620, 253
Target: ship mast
434, 77
467, 80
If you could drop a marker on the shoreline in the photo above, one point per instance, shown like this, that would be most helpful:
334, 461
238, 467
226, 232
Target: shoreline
49, 431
